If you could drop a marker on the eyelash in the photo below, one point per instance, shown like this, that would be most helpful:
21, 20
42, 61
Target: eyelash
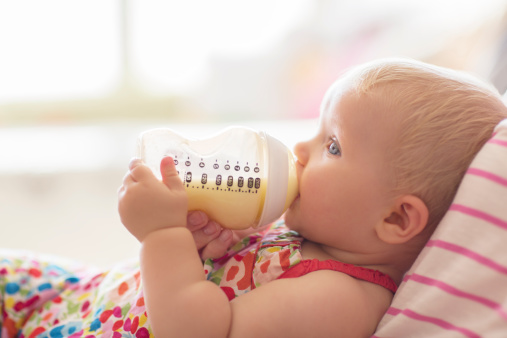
335, 143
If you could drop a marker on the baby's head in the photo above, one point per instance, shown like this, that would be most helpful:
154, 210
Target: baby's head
394, 141
439, 119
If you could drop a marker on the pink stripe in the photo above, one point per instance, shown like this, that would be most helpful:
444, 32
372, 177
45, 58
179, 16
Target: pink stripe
432, 320
487, 175
497, 141
469, 254
479, 214
456, 292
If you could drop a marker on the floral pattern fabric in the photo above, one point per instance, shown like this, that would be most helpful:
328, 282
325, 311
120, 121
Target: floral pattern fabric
54, 298
256, 260
51, 297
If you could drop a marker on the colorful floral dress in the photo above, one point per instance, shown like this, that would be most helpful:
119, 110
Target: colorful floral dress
49, 297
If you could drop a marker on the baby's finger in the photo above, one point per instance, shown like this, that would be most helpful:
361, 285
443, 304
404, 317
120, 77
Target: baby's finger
134, 162
219, 246
170, 174
196, 220
127, 179
139, 172
204, 236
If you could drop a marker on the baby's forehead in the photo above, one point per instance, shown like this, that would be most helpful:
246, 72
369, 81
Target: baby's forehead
372, 113
335, 93
346, 88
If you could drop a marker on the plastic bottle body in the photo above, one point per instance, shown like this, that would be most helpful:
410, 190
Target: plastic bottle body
236, 177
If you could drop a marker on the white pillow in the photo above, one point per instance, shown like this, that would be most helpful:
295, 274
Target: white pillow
457, 287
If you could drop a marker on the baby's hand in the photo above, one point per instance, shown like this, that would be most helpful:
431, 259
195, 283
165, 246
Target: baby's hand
147, 204
211, 239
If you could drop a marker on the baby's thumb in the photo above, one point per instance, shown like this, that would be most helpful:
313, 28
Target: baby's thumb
169, 173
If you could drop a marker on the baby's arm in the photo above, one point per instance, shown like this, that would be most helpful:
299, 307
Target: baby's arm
179, 299
177, 294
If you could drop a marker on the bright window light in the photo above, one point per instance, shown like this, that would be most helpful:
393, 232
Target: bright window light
172, 41
58, 49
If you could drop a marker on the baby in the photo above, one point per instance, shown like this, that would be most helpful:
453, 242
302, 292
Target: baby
394, 141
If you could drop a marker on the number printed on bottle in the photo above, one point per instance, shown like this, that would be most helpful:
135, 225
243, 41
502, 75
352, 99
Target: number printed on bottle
257, 183
251, 184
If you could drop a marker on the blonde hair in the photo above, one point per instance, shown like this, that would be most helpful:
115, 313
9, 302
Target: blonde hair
445, 117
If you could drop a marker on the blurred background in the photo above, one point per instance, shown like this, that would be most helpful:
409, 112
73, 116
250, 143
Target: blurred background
79, 80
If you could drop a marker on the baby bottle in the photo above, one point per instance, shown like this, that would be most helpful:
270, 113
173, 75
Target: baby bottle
240, 177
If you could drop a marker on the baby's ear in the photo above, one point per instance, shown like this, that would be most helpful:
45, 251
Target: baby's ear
407, 217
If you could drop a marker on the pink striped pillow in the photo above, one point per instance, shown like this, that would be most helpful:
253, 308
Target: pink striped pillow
458, 285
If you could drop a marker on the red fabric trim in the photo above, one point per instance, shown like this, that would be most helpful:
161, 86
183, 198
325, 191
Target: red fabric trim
309, 265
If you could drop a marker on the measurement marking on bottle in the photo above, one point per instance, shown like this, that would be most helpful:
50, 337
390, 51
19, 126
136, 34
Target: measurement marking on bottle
204, 187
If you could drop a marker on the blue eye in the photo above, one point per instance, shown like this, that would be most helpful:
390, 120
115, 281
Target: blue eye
333, 148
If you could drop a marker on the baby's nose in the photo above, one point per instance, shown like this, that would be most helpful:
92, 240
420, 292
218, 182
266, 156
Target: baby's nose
301, 151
